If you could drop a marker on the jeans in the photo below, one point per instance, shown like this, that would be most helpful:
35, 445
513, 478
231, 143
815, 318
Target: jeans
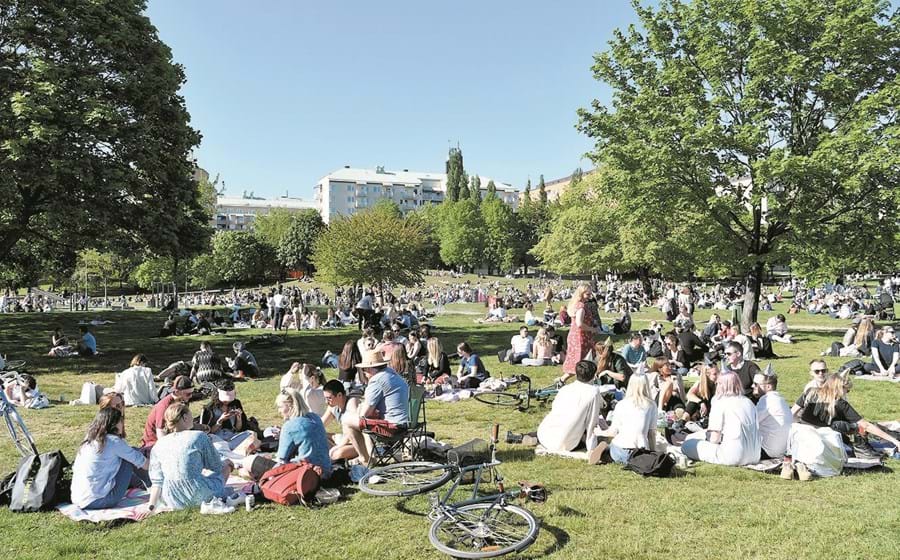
127, 477
620, 454
330, 361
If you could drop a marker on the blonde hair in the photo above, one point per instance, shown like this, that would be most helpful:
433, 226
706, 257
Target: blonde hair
174, 414
706, 388
638, 392
434, 351
298, 403
866, 326
833, 389
576, 297
541, 338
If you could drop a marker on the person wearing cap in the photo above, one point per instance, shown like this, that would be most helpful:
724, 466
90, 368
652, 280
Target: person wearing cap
885, 354
773, 414
225, 415
385, 407
154, 428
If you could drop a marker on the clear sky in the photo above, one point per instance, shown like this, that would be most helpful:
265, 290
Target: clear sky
285, 92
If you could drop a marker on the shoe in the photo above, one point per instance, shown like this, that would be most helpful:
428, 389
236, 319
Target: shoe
376, 479
235, 500
216, 506
513, 438
325, 356
325, 496
787, 470
692, 427
596, 454
529, 440
803, 473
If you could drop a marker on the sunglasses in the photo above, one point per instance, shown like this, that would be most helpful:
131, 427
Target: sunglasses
730, 353
825, 370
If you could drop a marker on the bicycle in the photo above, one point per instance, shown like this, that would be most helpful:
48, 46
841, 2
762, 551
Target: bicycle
523, 398
483, 526
14, 424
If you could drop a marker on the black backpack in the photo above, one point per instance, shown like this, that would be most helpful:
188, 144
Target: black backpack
651, 463
41, 482
854, 367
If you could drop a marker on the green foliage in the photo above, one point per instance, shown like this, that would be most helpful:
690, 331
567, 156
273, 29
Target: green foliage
371, 247
239, 257
455, 174
763, 116
297, 244
475, 188
499, 224
464, 192
270, 228
95, 141
462, 234
204, 271
156, 269
388, 207
542, 190
96, 267
491, 190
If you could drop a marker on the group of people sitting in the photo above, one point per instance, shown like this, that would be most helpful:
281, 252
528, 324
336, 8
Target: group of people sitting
61, 347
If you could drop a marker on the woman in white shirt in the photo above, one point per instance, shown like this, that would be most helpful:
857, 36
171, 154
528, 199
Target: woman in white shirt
733, 434
135, 384
633, 423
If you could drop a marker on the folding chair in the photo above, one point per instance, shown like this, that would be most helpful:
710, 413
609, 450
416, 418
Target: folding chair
405, 444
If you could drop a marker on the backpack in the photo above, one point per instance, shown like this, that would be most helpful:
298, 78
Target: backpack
651, 463
853, 367
290, 483
655, 350
41, 482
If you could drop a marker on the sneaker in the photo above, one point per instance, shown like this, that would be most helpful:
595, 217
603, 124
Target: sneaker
325, 356
325, 496
216, 506
513, 438
596, 454
787, 470
803, 473
235, 500
376, 479
692, 427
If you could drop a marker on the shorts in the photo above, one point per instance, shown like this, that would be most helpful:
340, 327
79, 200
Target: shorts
380, 427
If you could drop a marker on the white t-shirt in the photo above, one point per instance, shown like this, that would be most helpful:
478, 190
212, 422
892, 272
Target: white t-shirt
572, 418
94, 474
136, 386
735, 418
633, 425
521, 344
774, 416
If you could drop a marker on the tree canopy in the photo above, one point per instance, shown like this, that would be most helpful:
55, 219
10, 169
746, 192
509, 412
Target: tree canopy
95, 145
372, 247
296, 246
775, 119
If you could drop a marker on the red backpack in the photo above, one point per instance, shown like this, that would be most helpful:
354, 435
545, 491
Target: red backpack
290, 483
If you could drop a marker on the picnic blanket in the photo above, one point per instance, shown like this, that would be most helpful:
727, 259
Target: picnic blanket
128, 507
542, 451
876, 378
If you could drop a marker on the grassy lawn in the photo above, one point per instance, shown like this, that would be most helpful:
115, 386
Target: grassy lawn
593, 512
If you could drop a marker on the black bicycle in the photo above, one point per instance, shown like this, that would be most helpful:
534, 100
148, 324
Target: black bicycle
482, 526
522, 398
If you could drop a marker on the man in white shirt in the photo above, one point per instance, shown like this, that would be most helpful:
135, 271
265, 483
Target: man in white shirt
574, 414
280, 302
773, 414
520, 347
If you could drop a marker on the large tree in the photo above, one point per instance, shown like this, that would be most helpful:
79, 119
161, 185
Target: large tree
296, 246
462, 234
499, 226
95, 145
775, 118
374, 247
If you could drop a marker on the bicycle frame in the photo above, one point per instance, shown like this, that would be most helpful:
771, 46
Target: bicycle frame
7, 410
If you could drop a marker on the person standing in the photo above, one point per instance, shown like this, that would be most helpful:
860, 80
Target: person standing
581, 335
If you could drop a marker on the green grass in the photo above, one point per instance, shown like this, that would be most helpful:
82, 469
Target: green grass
593, 512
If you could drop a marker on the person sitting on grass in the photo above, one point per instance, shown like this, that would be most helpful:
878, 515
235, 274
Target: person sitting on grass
827, 406
732, 437
135, 384
438, 364
700, 395
634, 352
520, 347
559, 345
541, 350
154, 428
471, 372
87, 346
385, 408
666, 386
574, 414
206, 366
612, 368
106, 466
633, 424
59, 345
818, 372
302, 438
339, 404
21, 391
313, 395
777, 330
773, 414
224, 415
244, 363
178, 462
885, 354
762, 345
744, 369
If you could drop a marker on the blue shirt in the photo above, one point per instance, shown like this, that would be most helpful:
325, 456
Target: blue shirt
94, 473
303, 439
90, 342
388, 394
474, 361
634, 355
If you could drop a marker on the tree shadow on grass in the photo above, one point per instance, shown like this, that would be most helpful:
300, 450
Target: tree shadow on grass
516, 455
560, 539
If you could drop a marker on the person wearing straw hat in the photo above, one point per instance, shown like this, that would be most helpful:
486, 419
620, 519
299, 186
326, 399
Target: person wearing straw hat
385, 406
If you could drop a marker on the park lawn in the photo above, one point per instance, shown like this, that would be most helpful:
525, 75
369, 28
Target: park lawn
593, 512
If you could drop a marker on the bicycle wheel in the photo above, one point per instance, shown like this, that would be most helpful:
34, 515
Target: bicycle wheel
483, 530
496, 398
405, 479
18, 432
14, 364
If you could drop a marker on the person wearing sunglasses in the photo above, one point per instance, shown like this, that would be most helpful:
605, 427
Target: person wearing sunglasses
818, 371
744, 369
885, 354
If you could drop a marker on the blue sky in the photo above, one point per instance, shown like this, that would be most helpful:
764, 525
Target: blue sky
285, 92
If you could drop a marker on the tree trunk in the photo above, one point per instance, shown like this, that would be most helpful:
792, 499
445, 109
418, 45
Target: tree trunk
751, 296
643, 274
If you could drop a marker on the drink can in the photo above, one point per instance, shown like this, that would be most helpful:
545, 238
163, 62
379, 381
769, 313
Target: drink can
249, 502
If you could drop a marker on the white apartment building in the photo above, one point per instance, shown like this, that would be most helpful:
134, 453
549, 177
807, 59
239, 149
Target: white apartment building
349, 190
238, 213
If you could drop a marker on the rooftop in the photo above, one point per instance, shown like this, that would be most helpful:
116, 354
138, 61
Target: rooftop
405, 177
283, 202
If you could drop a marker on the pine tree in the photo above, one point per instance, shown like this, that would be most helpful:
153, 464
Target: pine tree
491, 190
526, 200
475, 188
464, 193
542, 188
